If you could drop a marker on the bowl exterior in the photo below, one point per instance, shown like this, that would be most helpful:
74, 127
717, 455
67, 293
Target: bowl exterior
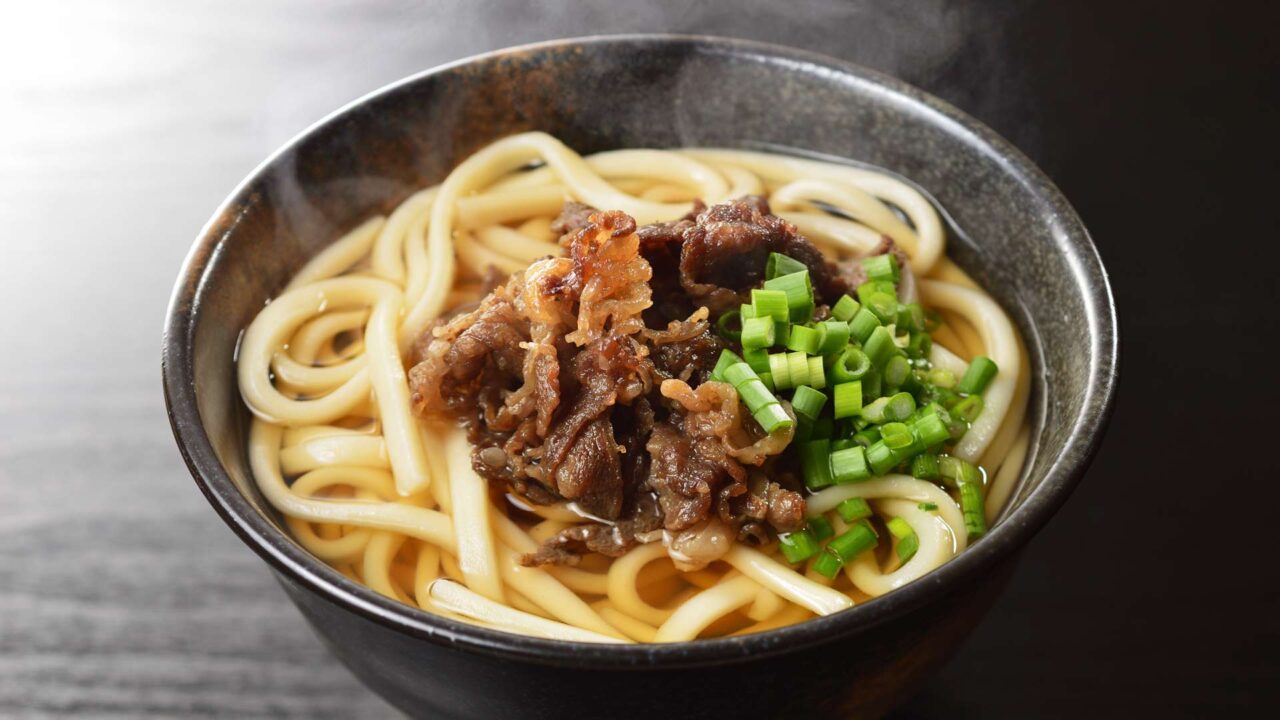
858, 676
1023, 242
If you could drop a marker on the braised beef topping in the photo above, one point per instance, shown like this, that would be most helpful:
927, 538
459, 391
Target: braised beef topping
586, 378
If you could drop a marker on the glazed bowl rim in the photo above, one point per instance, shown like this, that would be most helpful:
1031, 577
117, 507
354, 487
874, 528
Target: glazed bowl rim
297, 566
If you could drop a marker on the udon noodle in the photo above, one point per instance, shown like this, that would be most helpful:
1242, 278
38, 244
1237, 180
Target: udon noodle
391, 500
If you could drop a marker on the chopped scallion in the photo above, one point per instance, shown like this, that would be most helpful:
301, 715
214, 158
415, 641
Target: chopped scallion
852, 542
879, 346
851, 365
849, 465
908, 542
821, 528
844, 309
727, 358
798, 546
971, 505
772, 417
779, 264
882, 267
864, 321
799, 292
815, 463
848, 399
835, 336
968, 409
896, 371
770, 303
817, 378
808, 402
729, 325
804, 339
853, 509
899, 407
978, 376
925, 467
881, 458
827, 565
757, 333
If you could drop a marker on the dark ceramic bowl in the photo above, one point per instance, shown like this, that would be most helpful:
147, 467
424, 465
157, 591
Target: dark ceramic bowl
1028, 248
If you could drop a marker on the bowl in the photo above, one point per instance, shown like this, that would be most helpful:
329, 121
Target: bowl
1021, 239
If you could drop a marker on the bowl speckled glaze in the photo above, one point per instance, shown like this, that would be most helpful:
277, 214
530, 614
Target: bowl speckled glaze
1021, 240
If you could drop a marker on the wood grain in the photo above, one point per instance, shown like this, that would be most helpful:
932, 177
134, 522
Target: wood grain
123, 124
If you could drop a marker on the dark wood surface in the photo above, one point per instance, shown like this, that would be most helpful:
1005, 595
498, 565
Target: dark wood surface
123, 124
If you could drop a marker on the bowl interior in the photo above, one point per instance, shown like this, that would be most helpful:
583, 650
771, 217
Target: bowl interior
1021, 240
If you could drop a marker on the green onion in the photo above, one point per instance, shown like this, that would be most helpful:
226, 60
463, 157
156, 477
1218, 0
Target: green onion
879, 346
930, 430
864, 321
779, 264
925, 467
881, 458
798, 546
941, 377
757, 333
799, 292
853, 509
798, 368
848, 399
817, 378
767, 379
835, 336
955, 472
815, 463
853, 542
727, 358
896, 435
884, 306
739, 373
770, 303
747, 311
842, 444
772, 417
851, 365
899, 407
867, 437
808, 402
757, 359
804, 339
911, 318
827, 565
755, 394
729, 325
782, 332
908, 541
971, 504
874, 411
968, 409
882, 267
928, 506
896, 371
920, 345
844, 309
820, 526
781, 371
978, 376
849, 465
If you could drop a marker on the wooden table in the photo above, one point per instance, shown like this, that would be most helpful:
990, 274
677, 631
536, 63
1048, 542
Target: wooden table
123, 124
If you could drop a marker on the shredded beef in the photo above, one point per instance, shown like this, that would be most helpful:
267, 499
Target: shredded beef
724, 254
586, 379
